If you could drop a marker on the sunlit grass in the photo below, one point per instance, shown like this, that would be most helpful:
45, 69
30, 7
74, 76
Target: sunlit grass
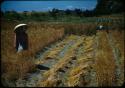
105, 63
16, 65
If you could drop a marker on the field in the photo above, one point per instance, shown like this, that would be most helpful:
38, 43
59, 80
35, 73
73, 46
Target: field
65, 54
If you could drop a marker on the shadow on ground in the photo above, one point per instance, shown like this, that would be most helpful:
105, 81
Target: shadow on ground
41, 67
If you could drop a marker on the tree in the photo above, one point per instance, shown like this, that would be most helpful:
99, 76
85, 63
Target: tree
54, 13
117, 6
109, 6
78, 12
68, 12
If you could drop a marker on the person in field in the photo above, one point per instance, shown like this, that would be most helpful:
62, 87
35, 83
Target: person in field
100, 27
21, 37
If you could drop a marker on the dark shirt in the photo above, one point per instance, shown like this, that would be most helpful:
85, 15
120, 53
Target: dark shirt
22, 39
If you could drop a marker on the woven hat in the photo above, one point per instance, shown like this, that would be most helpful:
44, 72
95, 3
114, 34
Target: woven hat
18, 26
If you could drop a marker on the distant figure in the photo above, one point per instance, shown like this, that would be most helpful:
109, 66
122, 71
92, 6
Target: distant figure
21, 38
100, 27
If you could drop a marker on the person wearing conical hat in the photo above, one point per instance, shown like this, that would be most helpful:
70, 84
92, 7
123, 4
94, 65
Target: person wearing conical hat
21, 37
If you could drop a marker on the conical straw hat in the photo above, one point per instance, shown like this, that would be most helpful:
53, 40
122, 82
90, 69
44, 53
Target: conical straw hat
19, 25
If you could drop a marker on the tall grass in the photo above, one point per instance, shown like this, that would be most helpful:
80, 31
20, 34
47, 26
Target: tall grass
77, 74
118, 38
40, 34
80, 29
16, 65
105, 62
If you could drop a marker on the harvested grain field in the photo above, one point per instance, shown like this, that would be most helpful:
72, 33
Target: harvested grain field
82, 61
65, 54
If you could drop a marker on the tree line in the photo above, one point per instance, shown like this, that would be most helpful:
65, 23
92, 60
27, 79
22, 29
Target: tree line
103, 7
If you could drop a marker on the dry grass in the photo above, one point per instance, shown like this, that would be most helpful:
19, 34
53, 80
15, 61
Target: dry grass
88, 43
61, 63
43, 35
40, 35
16, 65
78, 72
118, 38
80, 29
68, 56
51, 81
104, 64
75, 77
54, 52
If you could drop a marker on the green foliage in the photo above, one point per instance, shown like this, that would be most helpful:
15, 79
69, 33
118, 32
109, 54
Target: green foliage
103, 7
109, 6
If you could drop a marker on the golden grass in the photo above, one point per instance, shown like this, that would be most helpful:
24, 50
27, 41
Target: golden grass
104, 64
75, 76
118, 38
78, 69
51, 81
62, 62
74, 80
71, 52
16, 65
45, 36
88, 43
54, 52
84, 59
40, 35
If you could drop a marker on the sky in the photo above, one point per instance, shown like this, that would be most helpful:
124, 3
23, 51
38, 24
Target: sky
46, 5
